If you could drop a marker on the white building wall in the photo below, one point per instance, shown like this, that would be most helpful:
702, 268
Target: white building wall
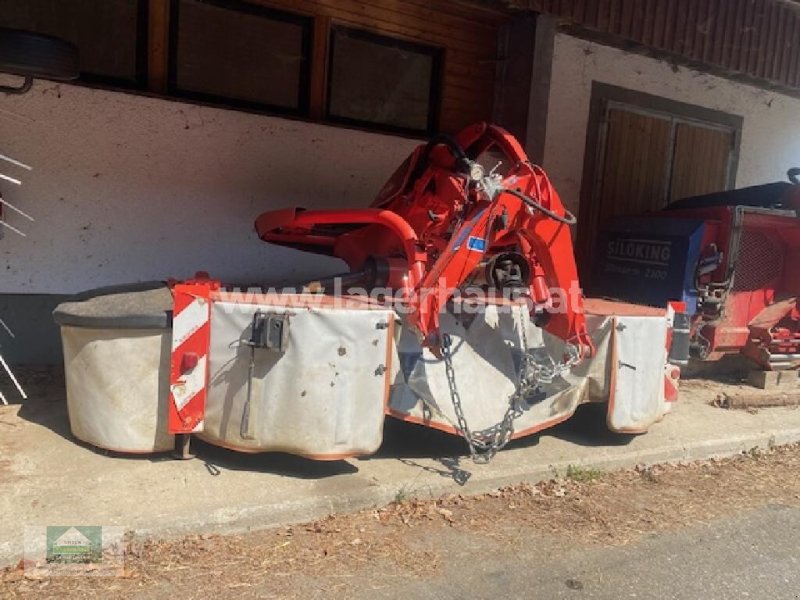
770, 143
127, 188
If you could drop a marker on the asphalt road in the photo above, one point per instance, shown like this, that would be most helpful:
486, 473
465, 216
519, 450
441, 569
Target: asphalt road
754, 555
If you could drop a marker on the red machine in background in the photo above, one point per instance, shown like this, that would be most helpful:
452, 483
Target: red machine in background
749, 302
734, 257
442, 222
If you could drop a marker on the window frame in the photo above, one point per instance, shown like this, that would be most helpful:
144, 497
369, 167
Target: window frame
303, 91
139, 82
437, 55
142, 51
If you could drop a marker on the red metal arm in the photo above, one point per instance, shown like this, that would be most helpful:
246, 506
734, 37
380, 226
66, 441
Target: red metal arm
297, 225
443, 225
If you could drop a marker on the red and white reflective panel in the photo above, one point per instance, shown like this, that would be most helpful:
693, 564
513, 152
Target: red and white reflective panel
191, 335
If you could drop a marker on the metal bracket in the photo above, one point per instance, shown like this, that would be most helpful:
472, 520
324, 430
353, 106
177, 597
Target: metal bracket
270, 331
182, 450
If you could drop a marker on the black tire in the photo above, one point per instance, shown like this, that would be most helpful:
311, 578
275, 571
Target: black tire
33, 55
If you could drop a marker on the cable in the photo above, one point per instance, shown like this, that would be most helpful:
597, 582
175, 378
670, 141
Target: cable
567, 219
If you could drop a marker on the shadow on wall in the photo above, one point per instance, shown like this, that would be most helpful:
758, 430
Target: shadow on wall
36, 338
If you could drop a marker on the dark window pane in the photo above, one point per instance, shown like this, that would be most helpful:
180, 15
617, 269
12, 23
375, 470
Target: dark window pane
382, 81
106, 33
243, 53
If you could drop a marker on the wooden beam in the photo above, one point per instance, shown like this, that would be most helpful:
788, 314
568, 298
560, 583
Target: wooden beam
319, 66
539, 95
157, 46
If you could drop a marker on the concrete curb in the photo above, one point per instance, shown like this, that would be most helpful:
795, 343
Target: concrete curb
239, 520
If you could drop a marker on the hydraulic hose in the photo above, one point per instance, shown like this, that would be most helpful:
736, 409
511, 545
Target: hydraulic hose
567, 219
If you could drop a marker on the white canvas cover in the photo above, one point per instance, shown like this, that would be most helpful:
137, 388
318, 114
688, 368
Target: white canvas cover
627, 370
118, 387
324, 397
640, 356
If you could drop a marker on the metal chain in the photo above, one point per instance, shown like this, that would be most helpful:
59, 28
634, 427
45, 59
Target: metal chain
484, 445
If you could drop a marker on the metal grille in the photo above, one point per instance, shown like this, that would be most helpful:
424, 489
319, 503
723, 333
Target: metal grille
760, 261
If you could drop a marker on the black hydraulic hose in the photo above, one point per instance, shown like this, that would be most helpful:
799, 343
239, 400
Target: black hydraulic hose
442, 138
567, 219
462, 161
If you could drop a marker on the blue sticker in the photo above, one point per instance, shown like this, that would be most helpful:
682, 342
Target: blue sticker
477, 244
466, 229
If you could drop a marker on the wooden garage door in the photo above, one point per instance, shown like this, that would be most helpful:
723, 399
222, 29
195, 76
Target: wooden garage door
701, 160
634, 165
647, 159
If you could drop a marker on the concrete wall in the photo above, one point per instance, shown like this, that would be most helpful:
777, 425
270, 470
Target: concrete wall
128, 188
770, 145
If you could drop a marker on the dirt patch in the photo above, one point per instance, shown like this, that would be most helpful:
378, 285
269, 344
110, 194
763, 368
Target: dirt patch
5, 468
333, 556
